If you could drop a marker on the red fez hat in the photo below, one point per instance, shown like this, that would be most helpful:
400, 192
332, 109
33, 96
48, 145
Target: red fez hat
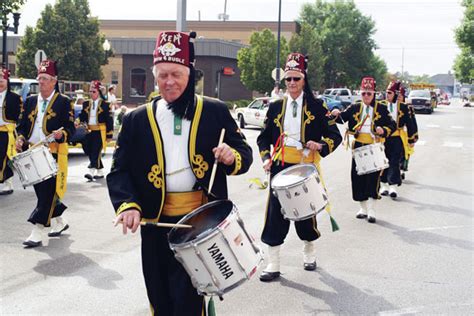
367, 84
5, 73
95, 84
174, 47
394, 86
296, 62
48, 67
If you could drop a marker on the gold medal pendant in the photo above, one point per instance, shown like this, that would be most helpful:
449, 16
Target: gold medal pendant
177, 125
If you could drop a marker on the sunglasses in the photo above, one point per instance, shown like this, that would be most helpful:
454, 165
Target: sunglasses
369, 94
295, 79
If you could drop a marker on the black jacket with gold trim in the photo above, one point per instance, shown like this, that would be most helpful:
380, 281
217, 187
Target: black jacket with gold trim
104, 115
137, 178
353, 116
404, 119
59, 113
315, 125
412, 118
12, 107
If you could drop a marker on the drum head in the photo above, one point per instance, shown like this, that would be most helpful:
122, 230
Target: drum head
293, 174
203, 219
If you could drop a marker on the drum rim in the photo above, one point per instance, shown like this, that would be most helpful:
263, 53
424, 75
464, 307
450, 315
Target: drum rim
204, 235
296, 183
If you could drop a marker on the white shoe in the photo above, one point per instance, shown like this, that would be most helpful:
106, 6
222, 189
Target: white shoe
99, 173
36, 237
362, 213
6, 187
371, 210
383, 188
90, 175
392, 191
272, 270
59, 225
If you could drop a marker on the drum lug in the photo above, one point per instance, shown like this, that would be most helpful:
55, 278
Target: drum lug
295, 211
305, 188
288, 194
325, 197
313, 207
297, 194
318, 180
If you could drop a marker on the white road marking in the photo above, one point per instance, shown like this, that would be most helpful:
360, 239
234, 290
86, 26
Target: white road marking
457, 127
95, 251
452, 144
419, 309
437, 228
432, 125
420, 143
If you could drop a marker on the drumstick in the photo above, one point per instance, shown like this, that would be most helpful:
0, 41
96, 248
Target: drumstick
214, 167
46, 139
165, 225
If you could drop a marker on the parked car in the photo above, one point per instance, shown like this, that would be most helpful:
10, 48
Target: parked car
254, 113
24, 87
421, 100
342, 94
332, 103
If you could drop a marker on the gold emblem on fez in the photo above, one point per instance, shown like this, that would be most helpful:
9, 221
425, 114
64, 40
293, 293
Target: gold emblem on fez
168, 49
292, 64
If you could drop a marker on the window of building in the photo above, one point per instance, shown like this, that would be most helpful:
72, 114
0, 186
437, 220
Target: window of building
115, 77
137, 82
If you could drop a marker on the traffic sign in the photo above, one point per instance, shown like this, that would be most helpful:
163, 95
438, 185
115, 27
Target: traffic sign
40, 55
274, 74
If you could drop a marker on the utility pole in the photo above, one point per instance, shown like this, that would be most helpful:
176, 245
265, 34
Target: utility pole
181, 16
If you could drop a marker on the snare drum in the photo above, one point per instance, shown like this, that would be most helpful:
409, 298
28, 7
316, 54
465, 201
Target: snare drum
35, 165
217, 253
370, 158
300, 191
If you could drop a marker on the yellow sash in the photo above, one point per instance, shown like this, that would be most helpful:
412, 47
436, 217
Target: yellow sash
61, 177
407, 149
294, 156
181, 203
103, 134
10, 128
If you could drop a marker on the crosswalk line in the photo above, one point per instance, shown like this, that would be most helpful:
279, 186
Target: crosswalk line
457, 127
452, 144
420, 143
433, 125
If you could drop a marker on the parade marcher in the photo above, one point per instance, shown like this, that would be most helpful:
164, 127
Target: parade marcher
112, 98
97, 115
407, 149
390, 177
369, 121
45, 114
162, 168
310, 135
10, 109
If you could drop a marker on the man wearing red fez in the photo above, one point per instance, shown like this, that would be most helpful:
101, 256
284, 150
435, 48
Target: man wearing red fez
10, 108
394, 143
98, 117
300, 131
407, 150
162, 168
369, 122
45, 114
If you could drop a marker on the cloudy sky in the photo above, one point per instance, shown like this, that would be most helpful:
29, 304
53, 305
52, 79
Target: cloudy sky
418, 34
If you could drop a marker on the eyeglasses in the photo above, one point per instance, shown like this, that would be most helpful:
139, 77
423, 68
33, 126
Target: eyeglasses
369, 94
389, 92
295, 79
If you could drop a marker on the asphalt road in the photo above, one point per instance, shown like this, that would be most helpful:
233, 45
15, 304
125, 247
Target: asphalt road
417, 258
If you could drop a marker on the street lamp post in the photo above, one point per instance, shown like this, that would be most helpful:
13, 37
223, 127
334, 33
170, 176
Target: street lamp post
106, 47
6, 28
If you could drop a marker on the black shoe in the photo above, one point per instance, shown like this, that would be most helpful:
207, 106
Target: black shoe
371, 219
393, 195
89, 177
384, 193
32, 244
269, 276
361, 216
310, 266
56, 234
6, 192
98, 177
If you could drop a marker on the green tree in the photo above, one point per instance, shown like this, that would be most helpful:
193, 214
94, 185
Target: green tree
464, 63
68, 34
308, 42
346, 42
9, 6
257, 61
